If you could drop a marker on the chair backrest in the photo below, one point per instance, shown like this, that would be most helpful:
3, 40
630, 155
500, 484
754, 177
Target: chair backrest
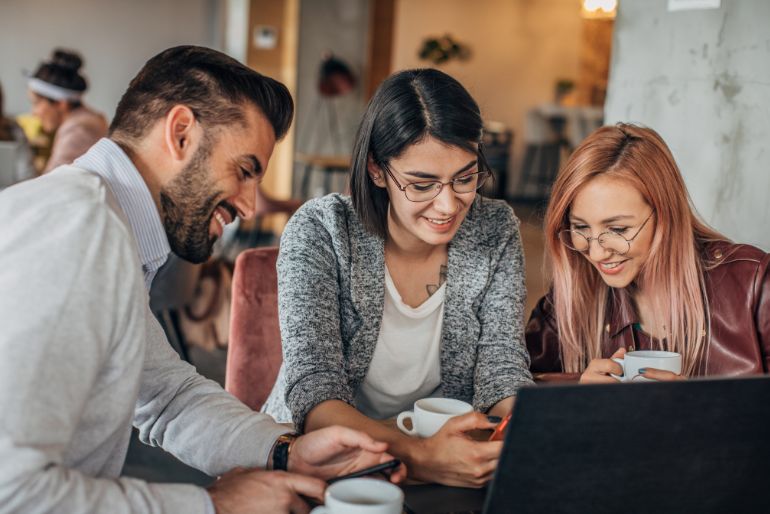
254, 355
9, 158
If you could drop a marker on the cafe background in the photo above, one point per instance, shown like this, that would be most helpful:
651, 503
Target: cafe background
544, 72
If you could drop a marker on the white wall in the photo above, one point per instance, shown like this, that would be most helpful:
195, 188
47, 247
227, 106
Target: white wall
702, 79
115, 37
520, 48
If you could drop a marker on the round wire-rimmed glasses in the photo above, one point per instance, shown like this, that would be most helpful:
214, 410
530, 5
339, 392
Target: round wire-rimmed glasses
610, 241
427, 190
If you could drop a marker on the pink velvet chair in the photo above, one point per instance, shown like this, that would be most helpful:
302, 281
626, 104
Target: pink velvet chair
254, 354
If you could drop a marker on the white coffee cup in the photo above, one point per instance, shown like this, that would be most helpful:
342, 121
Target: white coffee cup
430, 414
632, 362
362, 496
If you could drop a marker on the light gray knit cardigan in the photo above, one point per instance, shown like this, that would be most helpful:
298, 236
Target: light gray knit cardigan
331, 290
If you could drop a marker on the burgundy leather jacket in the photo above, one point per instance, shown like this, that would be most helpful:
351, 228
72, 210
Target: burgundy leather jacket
738, 289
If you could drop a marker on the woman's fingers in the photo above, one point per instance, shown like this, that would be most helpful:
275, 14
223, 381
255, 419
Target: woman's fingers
468, 422
659, 374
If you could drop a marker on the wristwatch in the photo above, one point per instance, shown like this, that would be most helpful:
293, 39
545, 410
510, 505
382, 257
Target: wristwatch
281, 449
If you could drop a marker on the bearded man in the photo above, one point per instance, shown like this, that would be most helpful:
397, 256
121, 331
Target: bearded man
81, 356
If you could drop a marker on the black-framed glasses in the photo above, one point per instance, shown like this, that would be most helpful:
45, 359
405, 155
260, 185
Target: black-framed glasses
427, 190
610, 241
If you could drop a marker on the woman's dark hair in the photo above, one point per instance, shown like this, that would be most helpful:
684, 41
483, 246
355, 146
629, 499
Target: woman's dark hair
409, 106
213, 85
63, 70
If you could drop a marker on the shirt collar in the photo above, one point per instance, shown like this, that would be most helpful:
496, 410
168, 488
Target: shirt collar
109, 161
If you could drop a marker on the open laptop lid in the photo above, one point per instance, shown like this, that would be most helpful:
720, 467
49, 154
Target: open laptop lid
680, 447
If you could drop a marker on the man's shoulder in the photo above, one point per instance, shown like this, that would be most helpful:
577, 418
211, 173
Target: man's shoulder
67, 200
62, 186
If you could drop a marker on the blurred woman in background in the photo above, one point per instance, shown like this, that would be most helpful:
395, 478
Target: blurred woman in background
55, 91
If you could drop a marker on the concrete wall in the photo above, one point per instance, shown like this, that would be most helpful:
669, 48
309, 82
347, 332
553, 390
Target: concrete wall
115, 37
520, 48
702, 79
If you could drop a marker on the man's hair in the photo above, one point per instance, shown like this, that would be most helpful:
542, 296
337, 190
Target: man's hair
214, 86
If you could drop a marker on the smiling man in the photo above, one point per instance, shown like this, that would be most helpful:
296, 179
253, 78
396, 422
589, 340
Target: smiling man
82, 358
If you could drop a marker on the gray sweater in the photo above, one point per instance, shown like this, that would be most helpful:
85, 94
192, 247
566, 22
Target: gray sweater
81, 358
331, 276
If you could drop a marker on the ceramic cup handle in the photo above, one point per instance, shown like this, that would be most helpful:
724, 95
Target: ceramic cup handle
320, 510
400, 422
620, 378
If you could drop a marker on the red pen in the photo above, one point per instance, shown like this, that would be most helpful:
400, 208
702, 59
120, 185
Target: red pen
499, 432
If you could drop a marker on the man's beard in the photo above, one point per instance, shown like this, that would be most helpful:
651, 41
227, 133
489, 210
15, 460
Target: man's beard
187, 204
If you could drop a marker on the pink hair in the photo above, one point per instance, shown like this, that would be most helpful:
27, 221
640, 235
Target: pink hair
673, 272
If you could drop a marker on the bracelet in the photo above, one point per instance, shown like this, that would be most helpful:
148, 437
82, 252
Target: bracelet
281, 450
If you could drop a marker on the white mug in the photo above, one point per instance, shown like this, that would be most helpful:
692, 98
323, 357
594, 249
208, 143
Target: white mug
362, 496
632, 362
430, 414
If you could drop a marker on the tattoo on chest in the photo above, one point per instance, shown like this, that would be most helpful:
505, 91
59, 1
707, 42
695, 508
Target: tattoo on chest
432, 288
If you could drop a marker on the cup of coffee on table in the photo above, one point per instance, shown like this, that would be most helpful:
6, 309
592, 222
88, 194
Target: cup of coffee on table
632, 362
362, 496
430, 414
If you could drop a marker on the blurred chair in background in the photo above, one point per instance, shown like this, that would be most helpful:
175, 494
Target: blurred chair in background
254, 354
551, 133
497, 142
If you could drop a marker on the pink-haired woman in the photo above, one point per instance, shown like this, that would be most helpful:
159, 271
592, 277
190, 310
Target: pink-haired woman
634, 268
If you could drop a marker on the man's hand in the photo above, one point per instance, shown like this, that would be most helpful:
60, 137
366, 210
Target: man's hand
335, 451
268, 492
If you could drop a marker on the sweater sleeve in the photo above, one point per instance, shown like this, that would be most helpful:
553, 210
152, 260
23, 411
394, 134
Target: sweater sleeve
309, 312
194, 418
69, 285
502, 362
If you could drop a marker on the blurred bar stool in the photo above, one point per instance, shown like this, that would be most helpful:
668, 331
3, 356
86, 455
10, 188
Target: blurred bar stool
497, 142
328, 164
541, 157
552, 132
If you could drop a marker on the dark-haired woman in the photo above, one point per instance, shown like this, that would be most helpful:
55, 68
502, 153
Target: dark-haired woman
55, 91
412, 288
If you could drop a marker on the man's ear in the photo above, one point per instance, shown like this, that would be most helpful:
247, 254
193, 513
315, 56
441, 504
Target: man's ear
179, 132
375, 172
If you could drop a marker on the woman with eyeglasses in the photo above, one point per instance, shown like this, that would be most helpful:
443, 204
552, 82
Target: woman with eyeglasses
635, 269
413, 287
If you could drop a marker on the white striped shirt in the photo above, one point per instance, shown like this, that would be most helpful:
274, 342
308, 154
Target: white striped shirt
109, 161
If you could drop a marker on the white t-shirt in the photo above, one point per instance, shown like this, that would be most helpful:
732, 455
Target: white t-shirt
406, 362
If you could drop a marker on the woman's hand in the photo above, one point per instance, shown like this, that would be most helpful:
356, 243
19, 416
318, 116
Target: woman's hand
451, 457
599, 370
660, 374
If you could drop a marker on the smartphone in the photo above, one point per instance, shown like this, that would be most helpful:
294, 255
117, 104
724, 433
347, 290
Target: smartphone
498, 434
379, 468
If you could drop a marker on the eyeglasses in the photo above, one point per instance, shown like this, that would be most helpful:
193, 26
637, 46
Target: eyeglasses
610, 241
429, 189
